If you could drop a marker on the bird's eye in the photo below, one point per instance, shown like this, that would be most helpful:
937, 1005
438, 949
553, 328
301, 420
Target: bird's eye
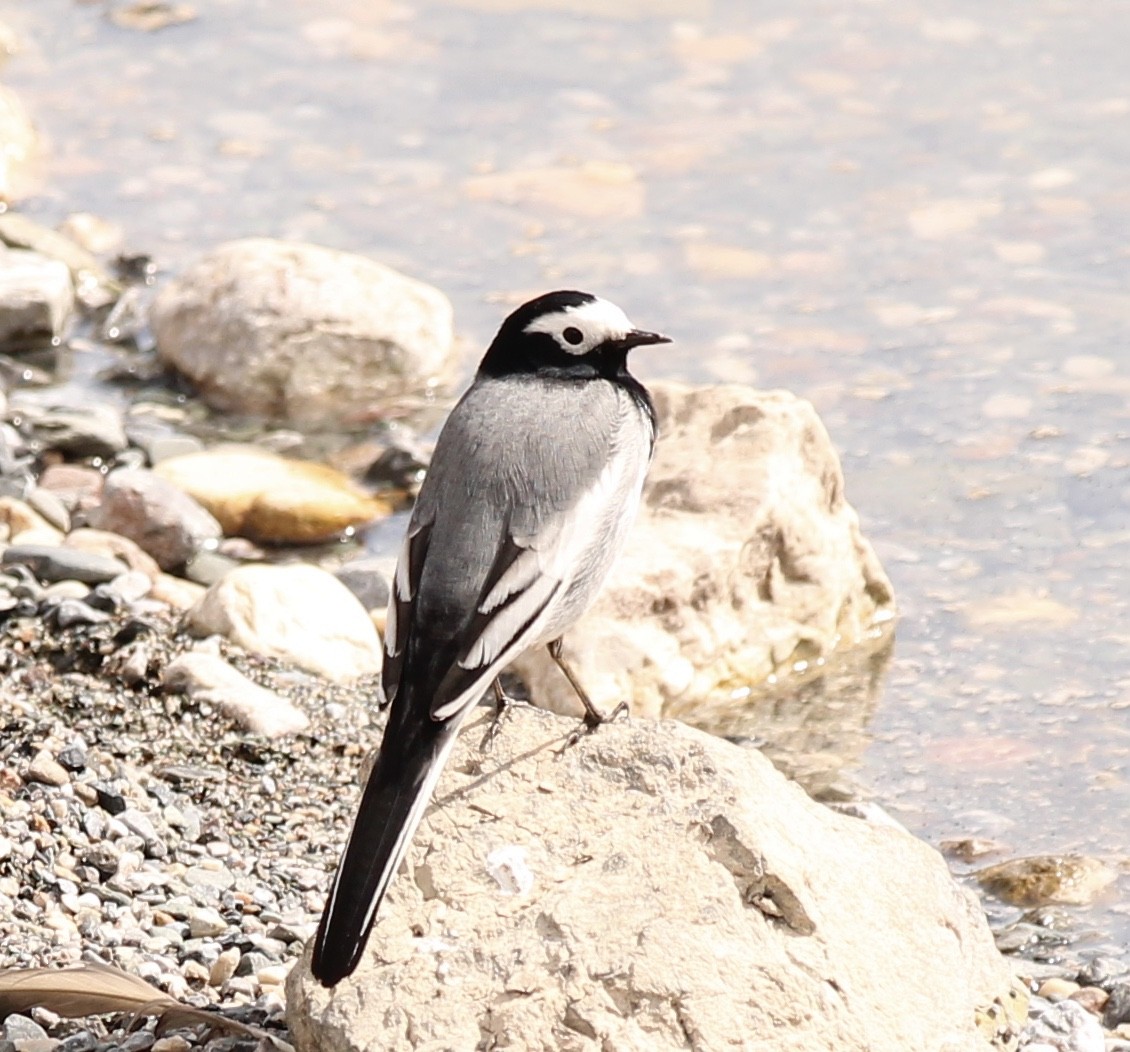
572, 335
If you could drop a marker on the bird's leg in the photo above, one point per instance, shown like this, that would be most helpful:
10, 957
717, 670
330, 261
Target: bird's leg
503, 704
593, 716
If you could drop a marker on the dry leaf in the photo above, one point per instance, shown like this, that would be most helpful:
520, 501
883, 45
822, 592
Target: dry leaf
101, 989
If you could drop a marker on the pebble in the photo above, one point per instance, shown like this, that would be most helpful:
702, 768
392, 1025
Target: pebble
217, 877
223, 968
114, 546
161, 518
72, 612
51, 507
1063, 1027
1058, 989
60, 564
369, 579
204, 920
46, 769
87, 431
257, 494
1117, 1008
36, 295
206, 677
77, 486
297, 613
1063, 880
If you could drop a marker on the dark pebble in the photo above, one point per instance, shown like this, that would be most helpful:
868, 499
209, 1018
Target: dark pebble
1103, 972
1117, 1008
110, 802
83, 1041
368, 580
73, 757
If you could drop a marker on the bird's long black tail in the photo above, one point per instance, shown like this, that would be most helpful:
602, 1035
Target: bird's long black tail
412, 754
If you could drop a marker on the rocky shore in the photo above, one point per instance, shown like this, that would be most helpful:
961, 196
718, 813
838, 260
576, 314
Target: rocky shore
189, 635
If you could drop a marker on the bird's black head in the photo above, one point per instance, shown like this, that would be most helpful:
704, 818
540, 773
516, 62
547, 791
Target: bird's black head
565, 334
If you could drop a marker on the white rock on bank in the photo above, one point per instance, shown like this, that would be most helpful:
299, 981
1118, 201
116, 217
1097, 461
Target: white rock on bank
299, 332
747, 560
296, 613
684, 896
36, 294
209, 678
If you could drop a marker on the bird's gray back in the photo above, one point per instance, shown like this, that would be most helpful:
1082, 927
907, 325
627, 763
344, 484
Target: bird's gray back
515, 456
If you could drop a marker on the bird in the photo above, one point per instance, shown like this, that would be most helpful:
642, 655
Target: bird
534, 483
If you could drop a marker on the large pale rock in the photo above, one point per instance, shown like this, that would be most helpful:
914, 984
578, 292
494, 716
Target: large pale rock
296, 613
654, 888
747, 562
299, 332
257, 494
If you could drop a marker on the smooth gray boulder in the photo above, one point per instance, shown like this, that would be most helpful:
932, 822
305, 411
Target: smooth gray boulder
298, 332
654, 888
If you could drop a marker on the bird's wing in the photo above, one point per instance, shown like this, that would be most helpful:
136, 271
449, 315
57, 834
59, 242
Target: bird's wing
540, 559
405, 583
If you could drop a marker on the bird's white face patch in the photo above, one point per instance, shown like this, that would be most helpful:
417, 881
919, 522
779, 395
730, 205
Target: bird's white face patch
578, 330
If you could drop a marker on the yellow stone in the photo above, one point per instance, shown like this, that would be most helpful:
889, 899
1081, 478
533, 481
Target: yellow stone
256, 494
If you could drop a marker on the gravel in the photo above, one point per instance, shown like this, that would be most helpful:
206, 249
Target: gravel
148, 831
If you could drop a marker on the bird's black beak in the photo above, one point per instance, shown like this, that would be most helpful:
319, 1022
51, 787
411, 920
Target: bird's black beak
639, 338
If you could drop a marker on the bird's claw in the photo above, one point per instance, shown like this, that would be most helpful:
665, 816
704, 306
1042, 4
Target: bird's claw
592, 719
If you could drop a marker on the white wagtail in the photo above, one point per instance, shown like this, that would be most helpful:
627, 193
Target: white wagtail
532, 489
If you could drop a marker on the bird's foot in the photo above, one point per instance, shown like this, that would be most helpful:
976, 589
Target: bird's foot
592, 719
504, 705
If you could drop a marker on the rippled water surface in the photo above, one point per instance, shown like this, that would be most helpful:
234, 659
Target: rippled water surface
916, 215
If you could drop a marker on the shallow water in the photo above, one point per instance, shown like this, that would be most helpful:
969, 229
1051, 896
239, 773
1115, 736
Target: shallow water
915, 215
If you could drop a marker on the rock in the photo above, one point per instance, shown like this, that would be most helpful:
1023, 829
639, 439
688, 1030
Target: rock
87, 431
205, 921
164, 520
175, 592
94, 287
747, 562
19, 1029
71, 612
223, 968
206, 677
1063, 1027
368, 578
115, 546
298, 332
77, 486
1116, 1011
296, 613
684, 896
19, 146
50, 507
1047, 880
260, 495
36, 295
61, 564
46, 770
22, 524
